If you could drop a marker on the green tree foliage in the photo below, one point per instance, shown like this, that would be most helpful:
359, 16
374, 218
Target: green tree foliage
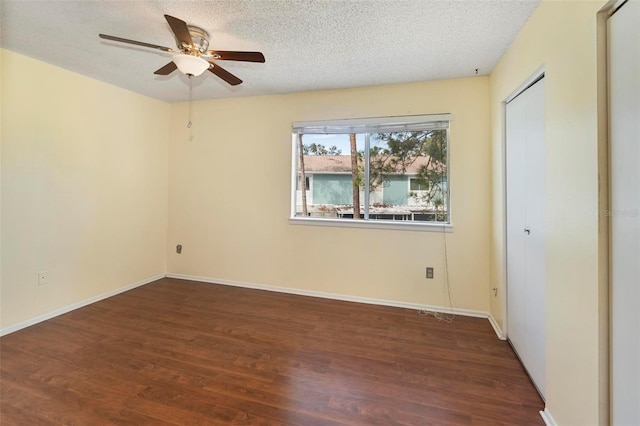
319, 149
393, 153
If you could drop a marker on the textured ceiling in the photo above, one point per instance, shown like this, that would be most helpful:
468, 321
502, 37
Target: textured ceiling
308, 44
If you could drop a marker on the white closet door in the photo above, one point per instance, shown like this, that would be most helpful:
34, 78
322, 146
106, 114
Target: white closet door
624, 113
535, 238
516, 155
526, 206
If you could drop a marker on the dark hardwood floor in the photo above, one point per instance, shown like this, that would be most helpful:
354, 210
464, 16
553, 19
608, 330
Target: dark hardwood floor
189, 353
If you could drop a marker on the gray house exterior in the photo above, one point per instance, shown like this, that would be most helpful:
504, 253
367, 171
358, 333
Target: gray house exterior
330, 194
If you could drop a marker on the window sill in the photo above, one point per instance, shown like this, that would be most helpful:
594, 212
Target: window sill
372, 224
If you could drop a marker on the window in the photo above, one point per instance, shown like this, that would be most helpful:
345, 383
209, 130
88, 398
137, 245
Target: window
417, 184
377, 170
307, 183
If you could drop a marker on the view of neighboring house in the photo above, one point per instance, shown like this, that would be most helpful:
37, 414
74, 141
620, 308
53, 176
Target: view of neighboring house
401, 196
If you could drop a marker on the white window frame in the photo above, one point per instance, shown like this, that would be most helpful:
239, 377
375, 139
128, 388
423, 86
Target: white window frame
367, 126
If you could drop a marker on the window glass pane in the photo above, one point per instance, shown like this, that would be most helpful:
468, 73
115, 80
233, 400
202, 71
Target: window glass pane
418, 184
408, 176
390, 170
330, 172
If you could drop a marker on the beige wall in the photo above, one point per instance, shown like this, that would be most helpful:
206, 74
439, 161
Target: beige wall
229, 197
84, 187
561, 37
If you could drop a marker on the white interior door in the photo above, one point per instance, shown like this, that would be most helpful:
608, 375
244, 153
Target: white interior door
624, 114
526, 206
535, 311
516, 155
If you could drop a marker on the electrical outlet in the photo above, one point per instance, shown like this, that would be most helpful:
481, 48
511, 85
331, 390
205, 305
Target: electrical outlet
179, 248
43, 277
429, 272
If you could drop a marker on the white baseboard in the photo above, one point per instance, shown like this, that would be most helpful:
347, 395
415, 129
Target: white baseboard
301, 292
547, 418
76, 305
496, 328
338, 296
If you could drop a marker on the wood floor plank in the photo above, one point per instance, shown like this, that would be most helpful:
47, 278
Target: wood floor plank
190, 353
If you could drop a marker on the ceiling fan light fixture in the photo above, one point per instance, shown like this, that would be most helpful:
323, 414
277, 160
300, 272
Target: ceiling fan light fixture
190, 65
193, 43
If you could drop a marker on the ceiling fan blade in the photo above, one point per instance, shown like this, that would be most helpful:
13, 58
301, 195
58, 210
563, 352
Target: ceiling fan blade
167, 69
224, 74
137, 43
181, 30
230, 55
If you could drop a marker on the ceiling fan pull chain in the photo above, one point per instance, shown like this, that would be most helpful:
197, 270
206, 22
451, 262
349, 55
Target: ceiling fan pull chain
190, 100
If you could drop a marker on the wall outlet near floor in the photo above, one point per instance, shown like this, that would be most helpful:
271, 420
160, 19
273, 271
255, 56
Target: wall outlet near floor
429, 272
179, 248
43, 277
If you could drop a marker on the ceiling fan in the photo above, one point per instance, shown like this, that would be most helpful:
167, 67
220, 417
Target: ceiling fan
192, 57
